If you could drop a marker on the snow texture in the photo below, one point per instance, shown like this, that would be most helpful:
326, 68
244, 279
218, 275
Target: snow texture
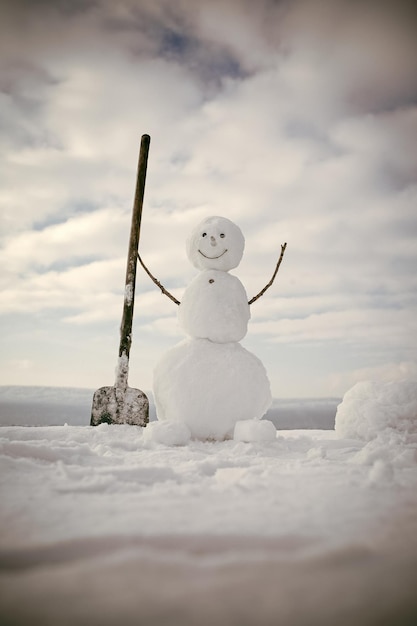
129, 293
168, 433
129, 525
370, 408
122, 371
210, 386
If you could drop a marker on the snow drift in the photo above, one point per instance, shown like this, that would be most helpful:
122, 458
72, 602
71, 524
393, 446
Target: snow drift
370, 408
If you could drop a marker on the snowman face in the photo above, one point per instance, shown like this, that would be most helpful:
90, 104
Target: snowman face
216, 243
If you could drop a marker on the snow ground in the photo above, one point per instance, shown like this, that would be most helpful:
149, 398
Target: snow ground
101, 525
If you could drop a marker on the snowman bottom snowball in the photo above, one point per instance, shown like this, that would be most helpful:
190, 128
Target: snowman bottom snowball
210, 387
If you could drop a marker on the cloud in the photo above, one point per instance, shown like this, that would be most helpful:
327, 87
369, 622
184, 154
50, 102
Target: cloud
297, 120
96, 234
368, 48
346, 326
389, 139
384, 373
90, 285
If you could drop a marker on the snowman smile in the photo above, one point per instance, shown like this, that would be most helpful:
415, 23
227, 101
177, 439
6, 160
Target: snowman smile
212, 257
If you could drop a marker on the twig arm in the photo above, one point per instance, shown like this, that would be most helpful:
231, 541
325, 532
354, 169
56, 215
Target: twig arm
251, 301
267, 286
156, 281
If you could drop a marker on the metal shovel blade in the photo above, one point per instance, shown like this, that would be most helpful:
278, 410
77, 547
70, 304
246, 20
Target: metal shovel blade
122, 404
119, 406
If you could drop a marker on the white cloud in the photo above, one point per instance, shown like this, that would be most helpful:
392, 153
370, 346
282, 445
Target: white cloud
97, 234
393, 327
384, 373
295, 121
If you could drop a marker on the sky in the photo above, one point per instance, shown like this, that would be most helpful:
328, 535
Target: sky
295, 119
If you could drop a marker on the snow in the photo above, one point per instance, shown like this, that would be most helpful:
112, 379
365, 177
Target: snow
253, 430
122, 371
210, 386
129, 293
210, 382
168, 433
371, 408
215, 306
215, 243
115, 524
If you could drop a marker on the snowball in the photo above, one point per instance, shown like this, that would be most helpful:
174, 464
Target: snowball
168, 433
254, 430
210, 386
371, 407
216, 243
215, 306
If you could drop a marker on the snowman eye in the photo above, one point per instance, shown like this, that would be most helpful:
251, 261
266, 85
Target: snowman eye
204, 235
222, 235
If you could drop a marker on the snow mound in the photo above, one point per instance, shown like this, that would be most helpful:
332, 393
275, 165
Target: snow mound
369, 408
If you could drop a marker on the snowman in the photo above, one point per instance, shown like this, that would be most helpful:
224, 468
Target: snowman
208, 386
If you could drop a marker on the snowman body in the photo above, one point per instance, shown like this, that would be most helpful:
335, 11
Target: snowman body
215, 307
209, 382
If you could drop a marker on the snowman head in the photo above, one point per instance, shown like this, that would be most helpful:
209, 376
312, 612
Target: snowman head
216, 244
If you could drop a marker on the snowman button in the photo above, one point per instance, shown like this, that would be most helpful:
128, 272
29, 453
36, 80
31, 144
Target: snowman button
211, 280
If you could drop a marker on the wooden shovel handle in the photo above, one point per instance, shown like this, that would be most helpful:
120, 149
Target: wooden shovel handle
130, 283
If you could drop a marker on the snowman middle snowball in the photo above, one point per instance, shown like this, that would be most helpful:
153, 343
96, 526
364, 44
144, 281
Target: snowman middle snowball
209, 381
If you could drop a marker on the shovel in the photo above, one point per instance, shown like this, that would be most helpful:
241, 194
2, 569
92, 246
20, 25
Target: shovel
122, 404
